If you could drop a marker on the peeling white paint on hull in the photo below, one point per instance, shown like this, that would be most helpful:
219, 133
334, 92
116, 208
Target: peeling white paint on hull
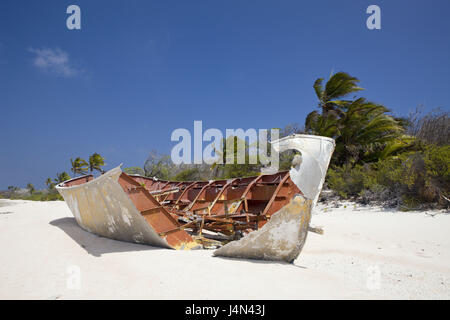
101, 206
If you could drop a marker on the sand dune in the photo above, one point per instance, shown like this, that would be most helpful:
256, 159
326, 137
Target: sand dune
365, 253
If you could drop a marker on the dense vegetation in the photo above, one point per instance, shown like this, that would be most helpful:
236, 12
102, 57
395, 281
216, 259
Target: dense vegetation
401, 162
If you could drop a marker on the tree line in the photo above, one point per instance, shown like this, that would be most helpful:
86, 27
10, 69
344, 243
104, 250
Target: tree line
396, 161
79, 166
401, 161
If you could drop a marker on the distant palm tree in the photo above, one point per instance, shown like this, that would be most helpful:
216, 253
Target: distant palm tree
61, 177
30, 188
11, 191
96, 162
79, 166
49, 182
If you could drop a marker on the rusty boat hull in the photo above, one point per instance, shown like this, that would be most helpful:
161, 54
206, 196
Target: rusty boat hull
264, 217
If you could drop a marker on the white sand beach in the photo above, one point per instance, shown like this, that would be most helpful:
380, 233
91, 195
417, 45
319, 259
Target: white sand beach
365, 253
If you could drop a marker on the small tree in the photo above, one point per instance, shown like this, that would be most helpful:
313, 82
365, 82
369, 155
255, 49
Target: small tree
158, 165
434, 127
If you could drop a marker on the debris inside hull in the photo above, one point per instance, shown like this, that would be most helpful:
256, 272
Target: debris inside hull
263, 217
281, 238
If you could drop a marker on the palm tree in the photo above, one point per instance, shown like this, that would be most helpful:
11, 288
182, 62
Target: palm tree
79, 166
30, 188
61, 177
337, 87
96, 161
365, 128
12, 190
49, 182
361, 128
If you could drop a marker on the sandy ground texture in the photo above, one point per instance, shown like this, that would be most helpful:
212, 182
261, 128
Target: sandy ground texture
365, 253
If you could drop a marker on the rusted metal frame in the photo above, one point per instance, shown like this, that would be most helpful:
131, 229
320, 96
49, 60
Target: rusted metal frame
223, 222
219, 227
250, 217
163, 192
225, 215
277, 190
168, 193
148, 195
227, 202
228, 184
135, 188
250, 185
209, 218
278, 174
218, 224
150, 180
165, 185
87, 178
159, 183
189, 186
164, 233
198, 195
176, 212
195, 211
151, 210
247, 190
155, 183
276, 181
201, 226
240, 216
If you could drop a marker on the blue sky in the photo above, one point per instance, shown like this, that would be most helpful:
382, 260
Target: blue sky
137, 70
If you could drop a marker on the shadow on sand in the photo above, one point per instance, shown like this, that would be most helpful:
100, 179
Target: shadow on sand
96, 245
93, 244
280, 263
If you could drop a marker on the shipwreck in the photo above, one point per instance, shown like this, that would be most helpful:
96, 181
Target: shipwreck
263, 217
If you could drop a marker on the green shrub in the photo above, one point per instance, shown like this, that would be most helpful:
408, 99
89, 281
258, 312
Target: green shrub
188, 175
415, 179
134, 170
39, 196
350, 181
